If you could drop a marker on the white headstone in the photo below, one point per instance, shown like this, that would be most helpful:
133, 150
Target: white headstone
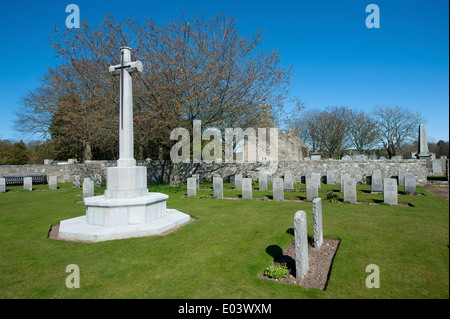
390, 191
191, 186
88, 188
312, 188
350, 190
238, 181
278, 189
28, 183
288, 181
330, 177
247, 188
401, 177
262, 182
218, 186
2, 185
52, 182
301, 244
317, 222
410, 184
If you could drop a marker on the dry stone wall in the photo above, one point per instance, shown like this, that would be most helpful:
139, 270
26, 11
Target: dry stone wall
159, 171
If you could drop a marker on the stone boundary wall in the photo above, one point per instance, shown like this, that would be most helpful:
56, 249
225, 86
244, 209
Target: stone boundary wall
160, 171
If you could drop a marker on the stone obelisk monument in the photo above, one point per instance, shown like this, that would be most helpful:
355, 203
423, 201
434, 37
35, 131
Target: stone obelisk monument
127, 209
423, 144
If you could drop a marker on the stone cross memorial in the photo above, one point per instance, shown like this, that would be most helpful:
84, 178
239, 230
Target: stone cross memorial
127, 209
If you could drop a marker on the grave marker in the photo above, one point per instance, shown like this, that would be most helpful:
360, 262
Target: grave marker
278, 189
218, 186
317, 222
192, 186
301, 245
410, 184
350, 190
247, 188
28, 183
390, 191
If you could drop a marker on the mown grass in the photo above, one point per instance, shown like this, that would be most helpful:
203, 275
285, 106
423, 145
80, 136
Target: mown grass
221, 253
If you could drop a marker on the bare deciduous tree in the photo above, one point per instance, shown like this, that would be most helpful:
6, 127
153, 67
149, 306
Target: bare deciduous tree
396, 126
195, 69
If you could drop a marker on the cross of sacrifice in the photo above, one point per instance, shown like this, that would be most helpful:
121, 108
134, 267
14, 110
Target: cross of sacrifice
126, 144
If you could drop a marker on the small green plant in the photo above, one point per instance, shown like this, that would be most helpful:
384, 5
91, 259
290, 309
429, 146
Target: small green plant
277, 271
332, 197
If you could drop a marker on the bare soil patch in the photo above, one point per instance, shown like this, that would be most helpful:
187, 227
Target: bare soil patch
438, 189
320, 262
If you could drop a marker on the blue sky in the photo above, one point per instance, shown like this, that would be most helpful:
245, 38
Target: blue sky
336, 59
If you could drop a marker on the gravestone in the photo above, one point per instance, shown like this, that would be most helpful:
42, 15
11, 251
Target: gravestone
192, 186
353, 175
428, 164
218, 186
350, 190
317, 177
97, 179
410, 184
390, 191
197, 180
52, 182
238, 181
317, 222
401, 177
343, 177
88, 188
436, 167
2, 185
263, 182
330, 177
288, 182
301, 244
76, 181
376, 184
278, 189
247, 188
28, 183
312, 188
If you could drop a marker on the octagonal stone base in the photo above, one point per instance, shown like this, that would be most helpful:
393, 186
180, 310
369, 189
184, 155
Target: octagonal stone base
118, 218
77, 229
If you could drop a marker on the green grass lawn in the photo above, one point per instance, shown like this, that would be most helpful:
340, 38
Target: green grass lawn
221, 253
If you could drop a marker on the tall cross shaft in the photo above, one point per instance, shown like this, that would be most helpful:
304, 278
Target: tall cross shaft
126, 141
